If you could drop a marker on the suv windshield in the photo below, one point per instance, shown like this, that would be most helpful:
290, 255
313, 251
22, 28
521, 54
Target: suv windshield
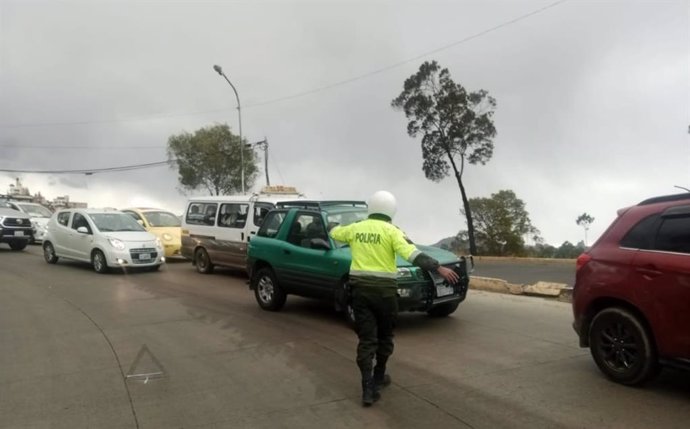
110, 222
346, 217
161, 219
35, 210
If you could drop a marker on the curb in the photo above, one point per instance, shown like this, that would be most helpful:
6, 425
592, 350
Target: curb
560, 291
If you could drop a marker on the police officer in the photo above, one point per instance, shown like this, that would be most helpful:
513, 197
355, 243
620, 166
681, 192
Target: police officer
374, 243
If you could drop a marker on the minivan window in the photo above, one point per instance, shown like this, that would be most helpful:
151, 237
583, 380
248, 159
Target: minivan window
260, 212
233, 215
201, 213
674, 235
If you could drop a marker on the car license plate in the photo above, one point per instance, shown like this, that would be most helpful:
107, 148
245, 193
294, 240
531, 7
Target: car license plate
443, 290
18, 233
144, 256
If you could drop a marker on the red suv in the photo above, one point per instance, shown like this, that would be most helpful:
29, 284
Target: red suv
631, 299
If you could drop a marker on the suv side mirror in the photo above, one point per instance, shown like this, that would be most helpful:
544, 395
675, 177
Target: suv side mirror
82, 230
319, 243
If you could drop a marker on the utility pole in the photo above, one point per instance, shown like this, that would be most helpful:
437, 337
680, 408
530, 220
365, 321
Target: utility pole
264, 145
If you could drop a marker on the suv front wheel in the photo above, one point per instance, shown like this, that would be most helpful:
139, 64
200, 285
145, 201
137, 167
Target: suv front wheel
269, 295
443, 310
622, 346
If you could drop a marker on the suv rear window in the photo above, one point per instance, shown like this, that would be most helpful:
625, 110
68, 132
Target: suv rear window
642, 234
674, 235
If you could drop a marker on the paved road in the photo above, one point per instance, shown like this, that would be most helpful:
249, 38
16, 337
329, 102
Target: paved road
69, 337
525, 271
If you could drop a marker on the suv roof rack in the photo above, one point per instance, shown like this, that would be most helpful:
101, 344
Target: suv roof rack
313, 204
665, 199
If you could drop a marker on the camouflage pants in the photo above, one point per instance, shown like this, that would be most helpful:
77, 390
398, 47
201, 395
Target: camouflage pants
375, 310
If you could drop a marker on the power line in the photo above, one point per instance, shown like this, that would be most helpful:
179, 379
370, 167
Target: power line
409, 60
91, 171
28, 146
299, 94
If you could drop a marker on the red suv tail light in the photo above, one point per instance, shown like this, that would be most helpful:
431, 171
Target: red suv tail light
582, 261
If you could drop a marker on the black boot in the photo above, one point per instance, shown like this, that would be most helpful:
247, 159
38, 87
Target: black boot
369, 392
381, 379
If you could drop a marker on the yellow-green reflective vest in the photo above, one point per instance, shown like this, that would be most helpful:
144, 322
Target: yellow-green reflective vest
374, 244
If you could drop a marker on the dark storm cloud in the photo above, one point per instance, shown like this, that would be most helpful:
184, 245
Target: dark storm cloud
592, 98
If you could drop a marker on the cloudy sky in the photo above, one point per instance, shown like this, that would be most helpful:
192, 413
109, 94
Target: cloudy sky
593, 98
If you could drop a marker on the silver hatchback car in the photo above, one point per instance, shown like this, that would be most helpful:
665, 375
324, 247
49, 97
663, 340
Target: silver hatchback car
105, 238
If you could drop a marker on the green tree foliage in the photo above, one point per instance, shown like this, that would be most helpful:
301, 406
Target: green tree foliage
570, 251
501, 223
456, 127
210, 159
541, 250
585, 221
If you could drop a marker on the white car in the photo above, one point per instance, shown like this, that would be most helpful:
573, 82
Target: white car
39, 216
106, 238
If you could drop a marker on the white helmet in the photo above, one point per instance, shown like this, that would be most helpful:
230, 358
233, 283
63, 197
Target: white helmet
382, 202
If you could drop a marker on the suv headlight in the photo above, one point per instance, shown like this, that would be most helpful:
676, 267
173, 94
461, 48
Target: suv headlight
405, 273
118, 244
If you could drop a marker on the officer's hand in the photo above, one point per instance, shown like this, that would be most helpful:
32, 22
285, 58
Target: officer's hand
448, 274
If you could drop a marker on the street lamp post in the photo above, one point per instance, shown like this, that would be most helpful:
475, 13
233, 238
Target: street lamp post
219, 70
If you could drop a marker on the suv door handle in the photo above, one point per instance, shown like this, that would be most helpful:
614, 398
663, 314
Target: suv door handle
286, 251
649, 273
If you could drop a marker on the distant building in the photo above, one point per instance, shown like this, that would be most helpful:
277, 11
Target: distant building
17, 191
64, 202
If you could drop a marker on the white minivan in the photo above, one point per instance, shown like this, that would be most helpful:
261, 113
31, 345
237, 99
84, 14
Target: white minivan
216, 229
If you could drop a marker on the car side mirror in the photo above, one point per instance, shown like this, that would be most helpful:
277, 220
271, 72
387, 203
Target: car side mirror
320, 243
82, 230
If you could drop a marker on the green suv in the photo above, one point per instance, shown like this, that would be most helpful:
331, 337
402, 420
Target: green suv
292, 253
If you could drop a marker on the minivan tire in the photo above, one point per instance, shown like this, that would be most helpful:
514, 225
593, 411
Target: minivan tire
268, 293
622, 347
203, 261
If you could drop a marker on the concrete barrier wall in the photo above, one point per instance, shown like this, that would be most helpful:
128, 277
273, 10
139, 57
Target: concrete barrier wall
560, 291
